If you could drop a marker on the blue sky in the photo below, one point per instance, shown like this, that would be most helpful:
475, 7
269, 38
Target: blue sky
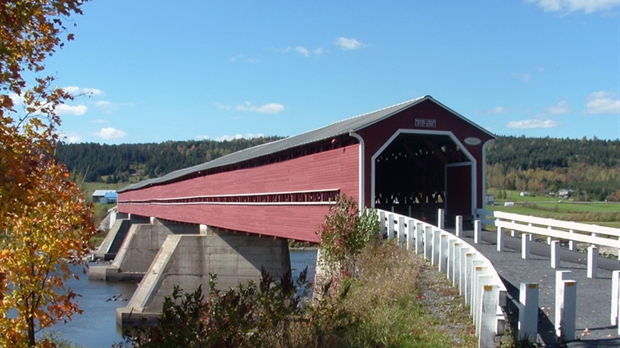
163, 70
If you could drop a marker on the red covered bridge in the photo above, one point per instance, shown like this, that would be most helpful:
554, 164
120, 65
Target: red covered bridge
412, 158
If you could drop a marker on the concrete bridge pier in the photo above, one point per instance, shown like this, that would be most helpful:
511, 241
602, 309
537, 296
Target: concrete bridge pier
137, 250
188, 261
119, 226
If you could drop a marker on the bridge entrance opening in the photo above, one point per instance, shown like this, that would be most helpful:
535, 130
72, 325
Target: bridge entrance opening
416, 173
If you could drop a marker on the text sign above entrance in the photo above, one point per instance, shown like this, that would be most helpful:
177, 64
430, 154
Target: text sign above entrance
425, 123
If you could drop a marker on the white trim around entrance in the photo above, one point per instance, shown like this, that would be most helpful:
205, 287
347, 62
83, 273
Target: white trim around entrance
472, 160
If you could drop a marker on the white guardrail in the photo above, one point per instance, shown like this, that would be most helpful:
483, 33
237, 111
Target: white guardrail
569, 230
471, 272
592, 237
572, 232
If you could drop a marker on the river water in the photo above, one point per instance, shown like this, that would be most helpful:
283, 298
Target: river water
96, 326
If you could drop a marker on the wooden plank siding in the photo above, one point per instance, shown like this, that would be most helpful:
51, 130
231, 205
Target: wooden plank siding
328, 170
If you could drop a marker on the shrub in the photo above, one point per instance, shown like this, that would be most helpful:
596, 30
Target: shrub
344, 233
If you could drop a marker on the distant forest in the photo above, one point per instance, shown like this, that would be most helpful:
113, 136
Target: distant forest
591, 167
112, 164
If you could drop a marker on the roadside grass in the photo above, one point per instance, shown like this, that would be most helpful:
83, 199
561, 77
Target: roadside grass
399, 301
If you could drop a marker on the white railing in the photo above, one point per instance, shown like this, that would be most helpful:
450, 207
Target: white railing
572, 232
556, 231
470, 271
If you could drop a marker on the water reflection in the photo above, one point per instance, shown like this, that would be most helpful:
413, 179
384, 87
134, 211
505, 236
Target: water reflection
96, 326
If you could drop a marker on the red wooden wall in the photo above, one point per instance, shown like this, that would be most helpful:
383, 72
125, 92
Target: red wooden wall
331, 169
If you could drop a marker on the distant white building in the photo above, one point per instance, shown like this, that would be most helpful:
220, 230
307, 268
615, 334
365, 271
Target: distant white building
105, 196
523, 194
490, 199
564, 193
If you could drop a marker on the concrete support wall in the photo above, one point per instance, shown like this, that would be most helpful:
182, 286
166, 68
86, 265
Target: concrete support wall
138, 250
188, 260
115, 237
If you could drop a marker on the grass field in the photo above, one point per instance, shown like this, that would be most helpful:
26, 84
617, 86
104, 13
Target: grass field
599, 213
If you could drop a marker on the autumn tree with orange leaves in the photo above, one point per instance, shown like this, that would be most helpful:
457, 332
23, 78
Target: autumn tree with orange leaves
45, 221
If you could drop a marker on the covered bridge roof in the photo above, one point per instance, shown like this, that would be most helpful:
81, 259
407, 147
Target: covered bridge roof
336, 129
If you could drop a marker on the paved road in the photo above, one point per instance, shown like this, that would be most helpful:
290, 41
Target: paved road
593, 295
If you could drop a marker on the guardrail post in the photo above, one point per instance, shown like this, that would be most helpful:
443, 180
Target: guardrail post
592, 261
390, 227
419, 238
440, 218
549, 239
571, 242
459, 226
555, 254
615, 299
443, 252
528, 311
411, 234
450, 261
500, 239
525, 246
464, 256
456, 268
477, 231
470, 279
566, 326
382, 222
488, 316
513, 233
428, 242
478, 271
436, 247
561, 302
401, 230
483, 278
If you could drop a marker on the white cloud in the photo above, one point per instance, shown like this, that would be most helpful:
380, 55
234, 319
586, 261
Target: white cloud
602, 102
319, 51
103, 103
222, 106
526, 77
17, 99
587, 6
64, 109
106, 106
560, 108
347, 43
302, 50
244, 58
74, 90
531, 124
110, 133
269, 108
523, 77
496, 110
231, 137
70, 137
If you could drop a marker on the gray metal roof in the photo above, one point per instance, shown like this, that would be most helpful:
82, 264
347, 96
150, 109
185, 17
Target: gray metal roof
336, 129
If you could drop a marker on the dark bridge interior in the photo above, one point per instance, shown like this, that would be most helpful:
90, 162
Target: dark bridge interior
410, 174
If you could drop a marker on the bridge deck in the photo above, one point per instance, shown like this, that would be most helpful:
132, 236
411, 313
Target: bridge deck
593, 295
